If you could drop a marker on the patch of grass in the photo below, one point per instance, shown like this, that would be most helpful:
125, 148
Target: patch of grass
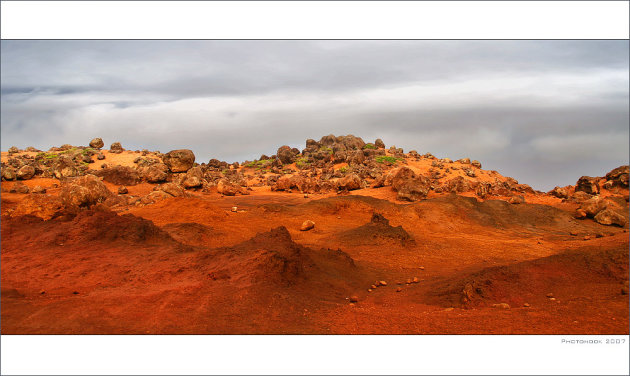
87, 151
302, 162
386, 158
343, 169
46, 155
326, 149
260, 165
369, 146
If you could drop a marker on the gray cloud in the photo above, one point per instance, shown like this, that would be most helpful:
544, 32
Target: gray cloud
544, 112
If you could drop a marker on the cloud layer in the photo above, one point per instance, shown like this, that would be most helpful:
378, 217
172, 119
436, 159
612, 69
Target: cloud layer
544, 112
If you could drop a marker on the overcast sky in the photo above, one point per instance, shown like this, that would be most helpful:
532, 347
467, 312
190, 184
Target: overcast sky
543, 112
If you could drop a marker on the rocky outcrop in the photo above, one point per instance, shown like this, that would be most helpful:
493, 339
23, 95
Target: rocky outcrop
588, 185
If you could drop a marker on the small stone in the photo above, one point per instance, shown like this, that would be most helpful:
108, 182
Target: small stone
501, 306
354, 299
369, 290
122, 190
306, 195
587, 237
38, 189
448, 309
352, 304
552, 298
234, 209
307, 225
75, 292
398, 289
373, 287
415, 280
422, 268
398, 283
573, 233
526, 305
408, 281
550, 295
382, 283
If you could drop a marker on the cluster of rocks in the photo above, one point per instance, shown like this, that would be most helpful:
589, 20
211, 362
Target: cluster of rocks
587, 192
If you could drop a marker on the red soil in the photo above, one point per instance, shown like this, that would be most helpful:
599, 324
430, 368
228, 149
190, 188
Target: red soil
190, 265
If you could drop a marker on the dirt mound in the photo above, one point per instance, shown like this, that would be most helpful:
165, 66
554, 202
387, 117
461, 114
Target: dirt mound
378, 229
574, 275
88, 226
498, 214
272, 258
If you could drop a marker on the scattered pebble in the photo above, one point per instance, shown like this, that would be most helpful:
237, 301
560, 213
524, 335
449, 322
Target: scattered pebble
501, 305
415, 280
526, 305
422, 268
234, 209
307, 225
398, 289
550, 295
552, 298
382, 283
587, 237
373, 287
306, 195
448, 309
354, 299
398, 283
369, 290
408, 281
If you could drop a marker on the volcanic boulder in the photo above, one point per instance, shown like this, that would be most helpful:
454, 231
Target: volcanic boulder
619, 176
26, 172
410, 187
155, 173
588, 185
193, 178
228, 188
116, 148
97, 143
172, 189
8, 173
610, 217
349, 182
286, 154
560, 192
180, 160
84, 191
64, 167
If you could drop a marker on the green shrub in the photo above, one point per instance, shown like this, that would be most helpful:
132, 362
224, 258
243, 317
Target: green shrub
302, 162
326, 149
343, 169
369, 146
386, 158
